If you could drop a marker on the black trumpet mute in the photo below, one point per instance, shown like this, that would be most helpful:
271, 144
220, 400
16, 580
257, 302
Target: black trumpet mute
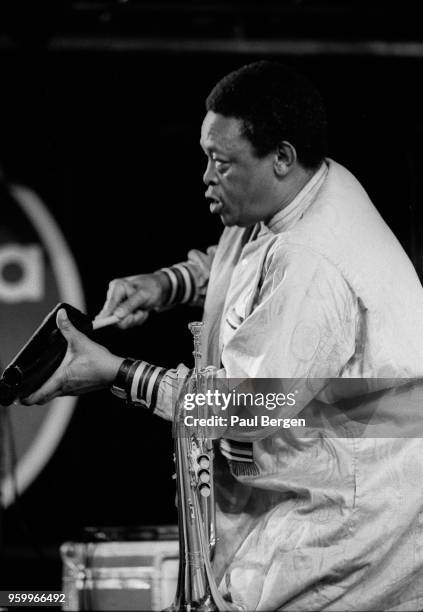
40, 356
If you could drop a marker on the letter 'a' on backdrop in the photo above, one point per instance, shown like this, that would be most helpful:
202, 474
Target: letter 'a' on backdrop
37, 271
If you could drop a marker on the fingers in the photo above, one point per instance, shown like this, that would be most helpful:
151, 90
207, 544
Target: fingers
131, 298
43, 395
53, 387
119, 290
136, 318
137, 301
63, 323
56, 384
70, 333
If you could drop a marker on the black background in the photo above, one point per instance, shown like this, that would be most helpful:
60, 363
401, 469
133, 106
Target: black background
109, 140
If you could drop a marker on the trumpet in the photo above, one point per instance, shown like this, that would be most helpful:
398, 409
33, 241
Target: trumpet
197, 589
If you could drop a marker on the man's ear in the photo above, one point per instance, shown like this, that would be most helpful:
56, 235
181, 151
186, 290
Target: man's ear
285, 158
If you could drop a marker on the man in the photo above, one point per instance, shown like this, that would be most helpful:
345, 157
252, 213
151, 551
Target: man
307, 286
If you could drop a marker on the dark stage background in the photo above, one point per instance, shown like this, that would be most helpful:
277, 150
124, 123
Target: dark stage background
108, 137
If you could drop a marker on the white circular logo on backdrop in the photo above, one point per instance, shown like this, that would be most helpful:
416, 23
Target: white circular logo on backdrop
37, 270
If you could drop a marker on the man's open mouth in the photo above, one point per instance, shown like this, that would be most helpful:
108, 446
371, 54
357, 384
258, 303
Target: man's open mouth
215, 206
214, 203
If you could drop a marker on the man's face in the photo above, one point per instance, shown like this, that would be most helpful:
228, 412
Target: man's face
240, 186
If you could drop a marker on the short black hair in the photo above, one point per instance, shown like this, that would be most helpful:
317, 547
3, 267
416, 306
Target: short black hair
274, 103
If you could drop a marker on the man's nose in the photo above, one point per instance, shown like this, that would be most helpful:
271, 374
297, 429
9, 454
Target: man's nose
209, 176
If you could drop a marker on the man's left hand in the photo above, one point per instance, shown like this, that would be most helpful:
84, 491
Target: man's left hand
87, 366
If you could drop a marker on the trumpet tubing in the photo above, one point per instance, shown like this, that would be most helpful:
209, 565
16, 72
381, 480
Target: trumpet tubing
197, 589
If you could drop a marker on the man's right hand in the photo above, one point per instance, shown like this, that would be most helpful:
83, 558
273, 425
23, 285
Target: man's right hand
131, 298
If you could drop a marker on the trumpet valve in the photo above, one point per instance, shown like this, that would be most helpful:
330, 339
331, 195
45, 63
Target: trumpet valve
204, 462
204, 489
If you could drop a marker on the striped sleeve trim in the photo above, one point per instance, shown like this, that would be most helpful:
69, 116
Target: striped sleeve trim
237, 451
180, 289
142, 385
136, 377
240, 458
173, 284
145, 383
187, 281
183, 288
153, 386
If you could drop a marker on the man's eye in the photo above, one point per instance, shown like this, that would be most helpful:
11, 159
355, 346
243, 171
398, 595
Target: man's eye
221, 164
